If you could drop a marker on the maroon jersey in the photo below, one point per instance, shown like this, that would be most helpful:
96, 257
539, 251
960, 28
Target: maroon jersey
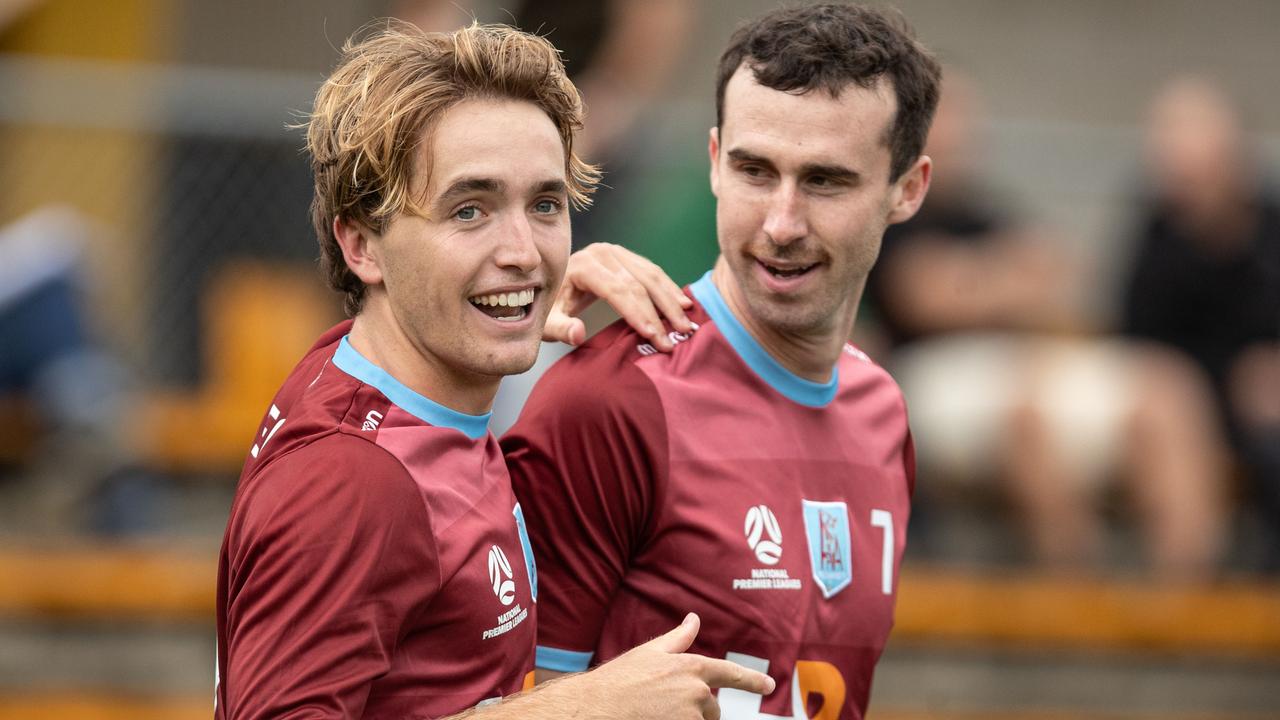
375, 564
712, 479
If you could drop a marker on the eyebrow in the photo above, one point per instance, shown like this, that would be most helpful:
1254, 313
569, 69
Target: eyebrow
551, 187
741, 155
836, 172
467, 186
471, 185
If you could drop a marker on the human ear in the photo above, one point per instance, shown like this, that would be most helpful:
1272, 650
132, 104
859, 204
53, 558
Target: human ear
910, 189
359, 249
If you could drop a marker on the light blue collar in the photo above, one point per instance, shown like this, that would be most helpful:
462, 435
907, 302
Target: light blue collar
794, 387
429, 411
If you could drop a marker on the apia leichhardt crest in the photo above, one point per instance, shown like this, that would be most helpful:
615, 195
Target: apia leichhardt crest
764, 536
826, 527
500, 575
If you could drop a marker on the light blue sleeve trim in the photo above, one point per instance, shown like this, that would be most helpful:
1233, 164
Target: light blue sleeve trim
351, 362
792, 386
549, 658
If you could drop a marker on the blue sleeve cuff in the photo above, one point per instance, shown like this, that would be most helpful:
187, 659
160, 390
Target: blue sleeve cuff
549, 658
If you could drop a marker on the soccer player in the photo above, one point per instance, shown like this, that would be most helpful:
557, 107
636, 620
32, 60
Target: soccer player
761, 472
376, 563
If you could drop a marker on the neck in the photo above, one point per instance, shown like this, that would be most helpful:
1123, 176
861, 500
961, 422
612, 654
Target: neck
812, 354
378, 336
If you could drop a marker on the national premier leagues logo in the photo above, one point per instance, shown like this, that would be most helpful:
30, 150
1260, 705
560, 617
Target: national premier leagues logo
502, 580
763, 534
500, 575
826, 526
764, 537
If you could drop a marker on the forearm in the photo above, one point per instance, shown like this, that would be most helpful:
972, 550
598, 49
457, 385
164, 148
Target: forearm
655, 681
560, 696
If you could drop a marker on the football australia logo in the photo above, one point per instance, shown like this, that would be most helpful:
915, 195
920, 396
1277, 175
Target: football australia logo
500, 576
764, 537
761, 522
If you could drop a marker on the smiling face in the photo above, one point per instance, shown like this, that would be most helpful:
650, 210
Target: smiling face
803, 199
470, 286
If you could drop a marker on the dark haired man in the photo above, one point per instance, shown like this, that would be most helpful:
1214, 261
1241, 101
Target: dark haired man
761, 472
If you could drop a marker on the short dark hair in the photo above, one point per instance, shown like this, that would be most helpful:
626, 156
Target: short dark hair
828, 46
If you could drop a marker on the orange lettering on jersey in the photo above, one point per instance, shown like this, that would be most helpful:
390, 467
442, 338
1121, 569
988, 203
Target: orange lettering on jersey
816, 676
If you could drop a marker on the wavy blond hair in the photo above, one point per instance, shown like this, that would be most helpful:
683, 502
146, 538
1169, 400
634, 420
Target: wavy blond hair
382, 101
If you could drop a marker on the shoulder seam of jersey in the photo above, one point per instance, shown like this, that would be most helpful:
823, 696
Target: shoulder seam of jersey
342, 430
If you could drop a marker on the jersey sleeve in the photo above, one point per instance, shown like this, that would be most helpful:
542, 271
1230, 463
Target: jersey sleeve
329, 552
587, 459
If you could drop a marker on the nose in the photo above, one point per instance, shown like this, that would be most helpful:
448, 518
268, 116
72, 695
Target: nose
784, 222
517, 249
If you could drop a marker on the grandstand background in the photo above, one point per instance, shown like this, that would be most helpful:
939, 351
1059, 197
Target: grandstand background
163, 125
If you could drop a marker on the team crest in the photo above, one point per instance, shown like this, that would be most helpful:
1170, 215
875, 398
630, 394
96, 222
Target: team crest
826, 526
530, 567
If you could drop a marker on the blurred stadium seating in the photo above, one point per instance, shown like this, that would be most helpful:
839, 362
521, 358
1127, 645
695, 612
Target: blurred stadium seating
1079, 641
258, 319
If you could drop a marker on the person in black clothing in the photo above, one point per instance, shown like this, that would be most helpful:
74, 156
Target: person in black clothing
1205, 278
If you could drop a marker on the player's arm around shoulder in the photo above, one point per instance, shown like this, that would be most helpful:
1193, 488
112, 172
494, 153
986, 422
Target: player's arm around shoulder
655, 681
314, 602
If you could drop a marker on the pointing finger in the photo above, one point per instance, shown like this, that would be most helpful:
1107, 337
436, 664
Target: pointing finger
722, 673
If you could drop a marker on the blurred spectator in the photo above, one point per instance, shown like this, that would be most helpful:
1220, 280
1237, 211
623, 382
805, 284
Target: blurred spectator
980, 311
83, 474
1206, 274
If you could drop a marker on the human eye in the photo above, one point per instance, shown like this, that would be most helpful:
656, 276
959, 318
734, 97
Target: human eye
754, 174
548, 206
827, 183
467, 213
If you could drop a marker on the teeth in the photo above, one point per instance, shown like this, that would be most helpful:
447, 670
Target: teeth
783, 272
515, 299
